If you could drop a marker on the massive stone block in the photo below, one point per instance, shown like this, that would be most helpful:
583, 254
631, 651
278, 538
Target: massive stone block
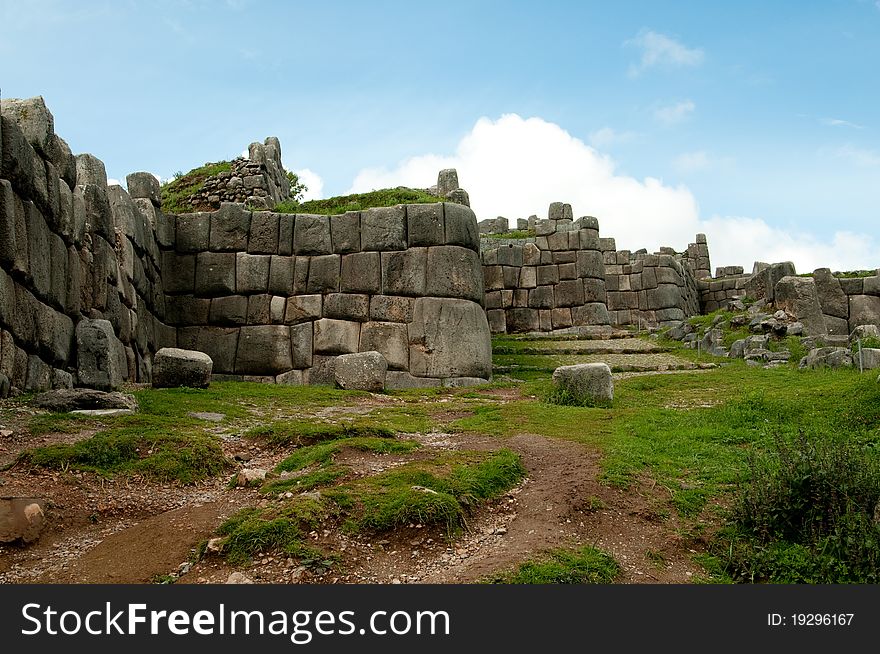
173, 367
387, 308
347, 306
263, 238
311, 235
215, 273
404, 273
569, 293
449, 338
425, 225
832, 299
193, 230
664, 296
263, 350
301, 343
383, 229
144, 185
589, 264
229, 310
594, 313
389, 338
281, 275
461, 226
219, 343
251, 273
345, 232
454, 272
324, 274
864, 310
301, 308
230, 226
7, 225
361, 273
586, 383
797, 296
364, 371
98, 364
336, 336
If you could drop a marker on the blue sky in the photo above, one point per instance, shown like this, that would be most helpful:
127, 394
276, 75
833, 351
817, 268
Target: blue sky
755, 122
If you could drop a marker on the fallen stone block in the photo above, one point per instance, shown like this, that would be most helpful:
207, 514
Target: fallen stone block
363, 371
174, 367
585, 384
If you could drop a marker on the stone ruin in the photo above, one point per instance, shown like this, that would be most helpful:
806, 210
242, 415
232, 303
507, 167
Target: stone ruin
94, 279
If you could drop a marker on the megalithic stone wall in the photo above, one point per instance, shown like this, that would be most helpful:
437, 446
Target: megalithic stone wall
73, 252
553, 281
95, 279
276, 297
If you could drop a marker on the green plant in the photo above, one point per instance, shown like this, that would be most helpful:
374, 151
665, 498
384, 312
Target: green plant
176, 194
297, 187
359, 201
586, 565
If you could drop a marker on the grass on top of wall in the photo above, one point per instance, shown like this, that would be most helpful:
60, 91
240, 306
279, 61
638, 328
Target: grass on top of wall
359, 201
177, 193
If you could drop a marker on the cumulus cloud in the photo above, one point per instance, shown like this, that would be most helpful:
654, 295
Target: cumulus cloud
674, 113
515, 167
313, 182
662, 51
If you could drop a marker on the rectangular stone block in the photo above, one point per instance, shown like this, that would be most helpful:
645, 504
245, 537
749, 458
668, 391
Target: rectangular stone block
541, 297
7, 225
263, 238
455, 272
301, 274
497, 321
518, 298
347, 306
852, 286
623, 283
215, 273
187, 310
528, 277
345, 232
361, 273
541, 243
547, 275
285, 233
594, 290
193, 230
546, 257
258, 310
230, 226
324, 274
561, 318
230, 310
522, 320
302, 308
461, 226
281, 275
567, 271
251, 273
493, 300
383, 229
404, 273
311, 235
589, 239
397, 380
510, 276
569, 293
493, 278
425, 225
564, 256
387, 308
510, 255
590, 264
336, 336
219, 343
263, 350
531, 255
449, 337
557, 241
301, 345
389, 339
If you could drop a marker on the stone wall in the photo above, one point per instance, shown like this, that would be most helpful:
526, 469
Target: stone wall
94, 279
648, 289
276, 297
553, 281
260, 180
74, 253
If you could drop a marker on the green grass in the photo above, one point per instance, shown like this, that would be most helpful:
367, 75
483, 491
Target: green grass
303, 432
323, 453
251, 531
323, 476
359, 201
137, 446
586, 565
176, 193
440, 491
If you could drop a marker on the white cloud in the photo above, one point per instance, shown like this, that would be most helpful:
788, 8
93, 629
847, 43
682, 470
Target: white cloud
661, 51
515, 167
313, 182
608, 136
692, 162
837, 122
859, 156
113, 182
674, 113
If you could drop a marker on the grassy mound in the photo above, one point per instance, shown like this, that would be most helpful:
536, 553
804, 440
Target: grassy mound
360, 201
176, 193
586, 565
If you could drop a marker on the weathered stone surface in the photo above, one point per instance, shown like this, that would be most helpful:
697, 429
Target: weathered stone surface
383, 229
65, 400
864, 332
336, 336
20, 164
389, 339
389, 308
281, 275
186, 310
263, 350
363, 371
321, 371
230, 310
8, 246
173, 367
230, 226
192, 232
425, 225
454, 272
263, 237
864, 310
405, 272
38, 376
345, 232
569, 293
586, 383
247, 477
301, 342
798, 297
33, 118
251, 273
311, 235
361, 273
762, 284
219, 343
301, 308
97, 357
324, 274
449, 338
215, 273
347, 306
592, 313
835, 326
461, 226
463, 382
144, 185
827, 357
868, 358
447, 181
523, 320
21, 519
832, 299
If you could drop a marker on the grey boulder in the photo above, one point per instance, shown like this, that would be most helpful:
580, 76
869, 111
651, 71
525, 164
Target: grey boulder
364, 371
586, 383
173, 367
64, 400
